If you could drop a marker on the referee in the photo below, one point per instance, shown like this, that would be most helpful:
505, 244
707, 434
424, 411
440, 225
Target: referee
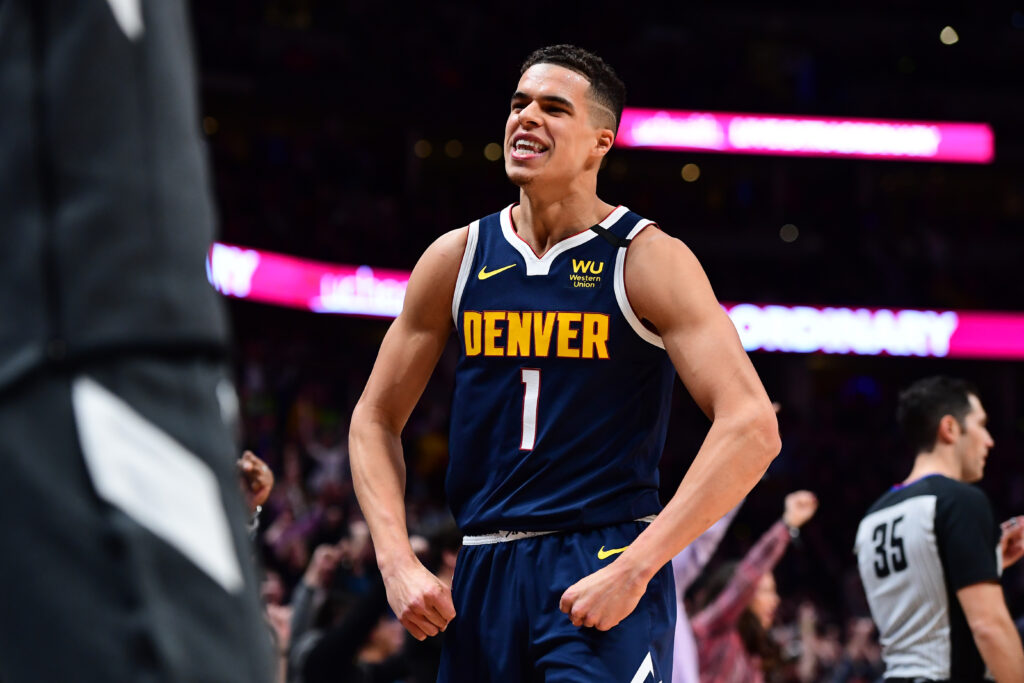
930, 553
124, 552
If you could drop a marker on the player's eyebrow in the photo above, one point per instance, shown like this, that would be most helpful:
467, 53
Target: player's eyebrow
548, 99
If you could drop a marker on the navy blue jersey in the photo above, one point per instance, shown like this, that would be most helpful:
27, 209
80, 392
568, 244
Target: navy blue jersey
561, 393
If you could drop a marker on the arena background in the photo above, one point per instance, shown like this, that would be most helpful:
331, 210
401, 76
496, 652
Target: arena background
313, 111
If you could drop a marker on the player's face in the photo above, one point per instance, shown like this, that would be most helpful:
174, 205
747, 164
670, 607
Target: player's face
765, 600
974, 442
549, 133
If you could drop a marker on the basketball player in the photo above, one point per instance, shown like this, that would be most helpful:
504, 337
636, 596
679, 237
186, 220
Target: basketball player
929, 551
125, 553
560, 409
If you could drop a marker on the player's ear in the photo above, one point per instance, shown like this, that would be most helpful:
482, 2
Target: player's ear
605, 139
949, 429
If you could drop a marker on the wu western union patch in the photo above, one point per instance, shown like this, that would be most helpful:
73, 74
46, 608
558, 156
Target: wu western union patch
586, 274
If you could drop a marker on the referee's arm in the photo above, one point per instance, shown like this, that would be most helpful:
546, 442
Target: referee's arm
993, 630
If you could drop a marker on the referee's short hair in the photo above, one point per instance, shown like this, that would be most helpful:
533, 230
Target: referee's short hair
925, 402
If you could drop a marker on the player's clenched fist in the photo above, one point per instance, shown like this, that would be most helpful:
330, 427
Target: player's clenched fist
422, 602
604, 598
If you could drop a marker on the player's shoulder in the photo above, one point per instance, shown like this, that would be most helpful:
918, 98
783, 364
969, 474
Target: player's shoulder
654, 238
445, 253
452, 242
654, 252
432, 282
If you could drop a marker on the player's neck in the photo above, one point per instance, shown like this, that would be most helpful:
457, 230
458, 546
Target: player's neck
543, 221
940, 461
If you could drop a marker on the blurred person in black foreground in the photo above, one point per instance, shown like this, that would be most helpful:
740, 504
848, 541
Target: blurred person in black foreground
127, 557
930, 553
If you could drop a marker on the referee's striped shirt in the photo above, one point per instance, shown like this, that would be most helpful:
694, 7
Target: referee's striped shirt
916, 546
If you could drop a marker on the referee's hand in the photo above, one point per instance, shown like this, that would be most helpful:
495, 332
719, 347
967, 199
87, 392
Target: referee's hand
420, 600
1012, 541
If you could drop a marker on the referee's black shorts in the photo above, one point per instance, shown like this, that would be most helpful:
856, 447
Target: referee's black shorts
122, 528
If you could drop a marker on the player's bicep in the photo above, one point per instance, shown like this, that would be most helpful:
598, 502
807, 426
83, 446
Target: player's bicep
417, 337
668, 287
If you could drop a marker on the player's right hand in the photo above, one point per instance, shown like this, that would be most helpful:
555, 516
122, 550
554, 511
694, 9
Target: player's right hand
420, 600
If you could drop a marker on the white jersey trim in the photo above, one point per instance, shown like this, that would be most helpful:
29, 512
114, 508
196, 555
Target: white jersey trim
506, 536
464, 269
620, 292
540, 265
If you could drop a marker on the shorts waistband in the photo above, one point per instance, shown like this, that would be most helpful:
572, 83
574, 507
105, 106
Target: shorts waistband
506, 536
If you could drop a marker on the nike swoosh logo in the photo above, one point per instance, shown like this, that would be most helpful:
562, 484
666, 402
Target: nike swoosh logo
483, 274
603, 554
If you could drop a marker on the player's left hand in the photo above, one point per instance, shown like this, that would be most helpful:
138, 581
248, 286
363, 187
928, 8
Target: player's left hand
257, 479
1012, 541
604, 598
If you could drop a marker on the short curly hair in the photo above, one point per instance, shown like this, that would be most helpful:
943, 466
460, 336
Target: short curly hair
606, 88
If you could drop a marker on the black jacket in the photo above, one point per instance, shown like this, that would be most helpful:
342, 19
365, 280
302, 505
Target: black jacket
105, 207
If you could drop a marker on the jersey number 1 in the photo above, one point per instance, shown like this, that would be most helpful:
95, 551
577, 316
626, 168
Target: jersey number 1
531, 395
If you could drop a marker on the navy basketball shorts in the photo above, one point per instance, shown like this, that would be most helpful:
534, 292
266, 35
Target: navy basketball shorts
508, 627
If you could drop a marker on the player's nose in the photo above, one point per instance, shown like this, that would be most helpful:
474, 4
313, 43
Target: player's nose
529, 116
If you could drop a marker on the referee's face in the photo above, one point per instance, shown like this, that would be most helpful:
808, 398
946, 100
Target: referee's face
974, 441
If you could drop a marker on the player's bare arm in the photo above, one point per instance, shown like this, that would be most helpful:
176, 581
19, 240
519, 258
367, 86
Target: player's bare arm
407, 357
993, 630
668, 288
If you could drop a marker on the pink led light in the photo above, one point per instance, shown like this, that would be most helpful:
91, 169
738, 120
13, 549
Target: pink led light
988, 335
803, 136
364, 291
311, 285
872, 332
